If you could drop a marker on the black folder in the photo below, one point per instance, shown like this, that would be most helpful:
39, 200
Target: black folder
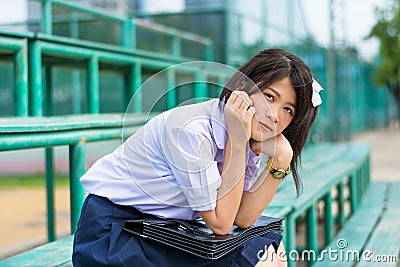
196, 238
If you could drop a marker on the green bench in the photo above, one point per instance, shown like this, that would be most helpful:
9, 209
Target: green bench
57, 253
321, 162
327, 167
74, 131
372, 236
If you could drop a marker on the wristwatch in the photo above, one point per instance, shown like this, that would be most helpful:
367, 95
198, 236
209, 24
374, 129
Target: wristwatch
277, 173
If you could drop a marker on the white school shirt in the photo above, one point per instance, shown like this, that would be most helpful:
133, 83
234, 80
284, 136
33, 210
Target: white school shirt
171, 166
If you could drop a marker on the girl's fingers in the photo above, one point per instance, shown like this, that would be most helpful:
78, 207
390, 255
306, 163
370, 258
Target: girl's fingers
251, 110
232, 98
240, 99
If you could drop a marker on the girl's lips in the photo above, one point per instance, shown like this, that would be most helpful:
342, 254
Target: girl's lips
265, 126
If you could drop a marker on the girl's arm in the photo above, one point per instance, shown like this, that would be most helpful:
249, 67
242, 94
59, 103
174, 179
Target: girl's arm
260, 195
238, 117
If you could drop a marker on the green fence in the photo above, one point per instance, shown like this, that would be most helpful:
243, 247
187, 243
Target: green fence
68, 19
74, 131
62, 55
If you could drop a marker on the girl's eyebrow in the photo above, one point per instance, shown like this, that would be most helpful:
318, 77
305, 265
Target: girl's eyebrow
279, 96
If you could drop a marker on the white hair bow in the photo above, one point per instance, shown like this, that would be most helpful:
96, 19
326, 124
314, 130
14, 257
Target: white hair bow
316, 98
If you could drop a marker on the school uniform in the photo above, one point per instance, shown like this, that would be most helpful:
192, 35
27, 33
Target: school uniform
170, 168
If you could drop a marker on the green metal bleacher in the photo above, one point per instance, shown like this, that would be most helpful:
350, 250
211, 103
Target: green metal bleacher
343, 166
34, 54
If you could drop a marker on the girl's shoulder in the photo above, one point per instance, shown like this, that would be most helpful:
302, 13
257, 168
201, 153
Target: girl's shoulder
197, 119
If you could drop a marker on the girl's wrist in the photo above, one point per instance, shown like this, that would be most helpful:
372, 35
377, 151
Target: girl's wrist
236, 145
280, 163
282, 160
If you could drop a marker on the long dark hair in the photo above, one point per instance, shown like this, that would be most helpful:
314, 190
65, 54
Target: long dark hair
267, 67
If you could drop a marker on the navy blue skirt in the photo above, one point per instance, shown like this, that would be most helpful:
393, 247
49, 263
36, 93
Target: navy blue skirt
101, 241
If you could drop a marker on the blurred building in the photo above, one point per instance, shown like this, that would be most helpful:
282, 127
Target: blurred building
239, 28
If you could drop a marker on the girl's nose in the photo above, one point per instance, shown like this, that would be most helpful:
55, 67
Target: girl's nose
272, 113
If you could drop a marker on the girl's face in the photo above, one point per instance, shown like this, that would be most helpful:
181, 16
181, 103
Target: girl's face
275, 107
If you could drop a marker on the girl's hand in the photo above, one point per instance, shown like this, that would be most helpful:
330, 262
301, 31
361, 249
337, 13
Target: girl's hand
238, 113
278, 147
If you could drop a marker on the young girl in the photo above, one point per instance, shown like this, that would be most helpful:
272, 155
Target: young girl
202, 160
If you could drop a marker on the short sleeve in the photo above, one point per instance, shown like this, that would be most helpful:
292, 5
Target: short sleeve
191, 157
252, 169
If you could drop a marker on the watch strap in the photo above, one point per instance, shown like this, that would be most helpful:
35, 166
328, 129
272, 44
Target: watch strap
276, 172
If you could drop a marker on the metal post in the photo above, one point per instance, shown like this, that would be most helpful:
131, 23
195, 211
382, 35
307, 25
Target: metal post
49, 159
76, 78
131, 92
171, 93
367, 175
361, 181
50, 194
341, 204
137, 82
93, 85
126, 33
228, 35
47, 17
354, 190
312, 229
209, 51
331, 67
73, 25
176, 46
21, 80
77, 164
200, 88
290, 237
328, 218
284, 233
35, 78
133, 33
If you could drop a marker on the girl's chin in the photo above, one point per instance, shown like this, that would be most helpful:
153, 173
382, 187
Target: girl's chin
260, 138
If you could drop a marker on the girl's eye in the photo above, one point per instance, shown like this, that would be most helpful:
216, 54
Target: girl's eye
289, 110
269, 97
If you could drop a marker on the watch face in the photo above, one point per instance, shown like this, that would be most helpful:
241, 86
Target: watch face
278, 174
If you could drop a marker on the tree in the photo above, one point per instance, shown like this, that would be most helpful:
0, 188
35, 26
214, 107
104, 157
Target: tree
387, 30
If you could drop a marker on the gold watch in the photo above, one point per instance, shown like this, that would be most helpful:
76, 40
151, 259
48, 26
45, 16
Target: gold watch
277, 173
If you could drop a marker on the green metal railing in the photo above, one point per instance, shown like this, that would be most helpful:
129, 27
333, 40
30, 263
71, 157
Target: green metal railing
15, 47
44, 52
92, 58
346, 169
74, 131
128, 27
37, 131
75, 47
